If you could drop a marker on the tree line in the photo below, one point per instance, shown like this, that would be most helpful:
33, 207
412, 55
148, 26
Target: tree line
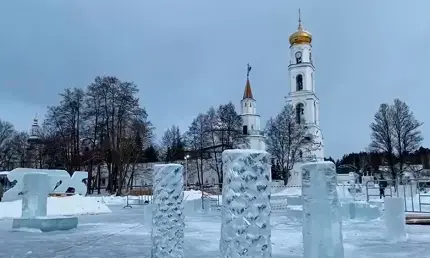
208, 135
104, 126
100, 125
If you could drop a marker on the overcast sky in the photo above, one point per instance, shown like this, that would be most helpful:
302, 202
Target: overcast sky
186, 56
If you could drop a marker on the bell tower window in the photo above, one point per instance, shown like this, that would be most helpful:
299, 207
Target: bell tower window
300, 112
245, 130
299, 82
298, 57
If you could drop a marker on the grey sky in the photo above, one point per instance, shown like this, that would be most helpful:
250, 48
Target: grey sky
188, 55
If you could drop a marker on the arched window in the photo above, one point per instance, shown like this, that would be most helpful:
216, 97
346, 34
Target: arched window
298, 57
299, 82
300, 111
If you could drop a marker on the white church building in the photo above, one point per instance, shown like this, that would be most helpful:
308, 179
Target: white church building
301, 96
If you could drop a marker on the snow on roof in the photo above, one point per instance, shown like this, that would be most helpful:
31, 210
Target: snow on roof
4, 172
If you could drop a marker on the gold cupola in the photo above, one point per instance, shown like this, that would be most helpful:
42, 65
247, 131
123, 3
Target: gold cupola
301, 36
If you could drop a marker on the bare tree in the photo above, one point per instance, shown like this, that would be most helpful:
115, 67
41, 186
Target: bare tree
224, 132
7, 132
287, 140
406, 131
172, 144
395, 133
197, 141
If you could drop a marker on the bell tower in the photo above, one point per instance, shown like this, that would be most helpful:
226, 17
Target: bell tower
250, 119
302, 94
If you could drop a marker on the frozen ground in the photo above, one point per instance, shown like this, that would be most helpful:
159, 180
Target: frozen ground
120, 234
59, 206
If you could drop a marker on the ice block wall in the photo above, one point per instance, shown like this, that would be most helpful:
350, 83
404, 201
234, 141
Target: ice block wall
245, 228
168, 208
394, 216
35, 191
322, 224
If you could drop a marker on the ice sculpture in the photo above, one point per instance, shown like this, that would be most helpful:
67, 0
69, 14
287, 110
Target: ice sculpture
35, 191
394, 216
147, 215
59, 181
245, 228
168, 216
35, 195
322, 221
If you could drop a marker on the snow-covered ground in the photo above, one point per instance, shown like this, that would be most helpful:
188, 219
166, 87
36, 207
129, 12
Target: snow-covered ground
120, 234
59, 206
122, 200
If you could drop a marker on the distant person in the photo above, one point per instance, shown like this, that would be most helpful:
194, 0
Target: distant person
382, 185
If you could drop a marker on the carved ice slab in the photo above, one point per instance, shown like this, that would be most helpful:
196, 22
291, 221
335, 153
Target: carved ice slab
168, 212
245, 228
322, 224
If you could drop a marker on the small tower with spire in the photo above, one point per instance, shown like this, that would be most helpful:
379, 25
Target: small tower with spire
34, 132
35, 144
250, 120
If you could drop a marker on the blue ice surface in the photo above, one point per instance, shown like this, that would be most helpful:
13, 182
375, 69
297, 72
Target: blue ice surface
121, 234
46, 224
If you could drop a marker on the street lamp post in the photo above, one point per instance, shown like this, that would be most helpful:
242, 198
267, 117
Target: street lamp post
186, 169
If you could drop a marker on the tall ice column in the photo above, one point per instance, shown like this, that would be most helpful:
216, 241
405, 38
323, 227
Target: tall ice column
168, 217
35, 193
322, 224
394, 216
245, 228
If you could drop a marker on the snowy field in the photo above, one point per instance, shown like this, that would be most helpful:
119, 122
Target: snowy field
59, 206
121, 234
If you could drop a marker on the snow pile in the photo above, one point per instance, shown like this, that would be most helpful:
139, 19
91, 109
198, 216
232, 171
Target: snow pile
111, 200
342, 191
167, 214
58, 206
192, 195
245, 228
122, 200
286, 190
322, 223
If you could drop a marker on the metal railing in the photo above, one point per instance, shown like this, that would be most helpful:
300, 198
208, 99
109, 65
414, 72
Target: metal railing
415, 192
139, 195
375, 186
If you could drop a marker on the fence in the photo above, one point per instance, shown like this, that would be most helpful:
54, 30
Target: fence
415, 193
139, 195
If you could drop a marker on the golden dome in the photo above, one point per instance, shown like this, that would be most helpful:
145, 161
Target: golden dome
301, 36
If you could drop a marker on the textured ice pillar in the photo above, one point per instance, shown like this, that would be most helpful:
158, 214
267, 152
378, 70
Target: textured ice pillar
322, 223
394, 216
245, 228
35, 193
147, 215
168, 217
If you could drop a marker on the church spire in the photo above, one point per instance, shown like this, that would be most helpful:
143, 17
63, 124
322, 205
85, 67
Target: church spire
247, 94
